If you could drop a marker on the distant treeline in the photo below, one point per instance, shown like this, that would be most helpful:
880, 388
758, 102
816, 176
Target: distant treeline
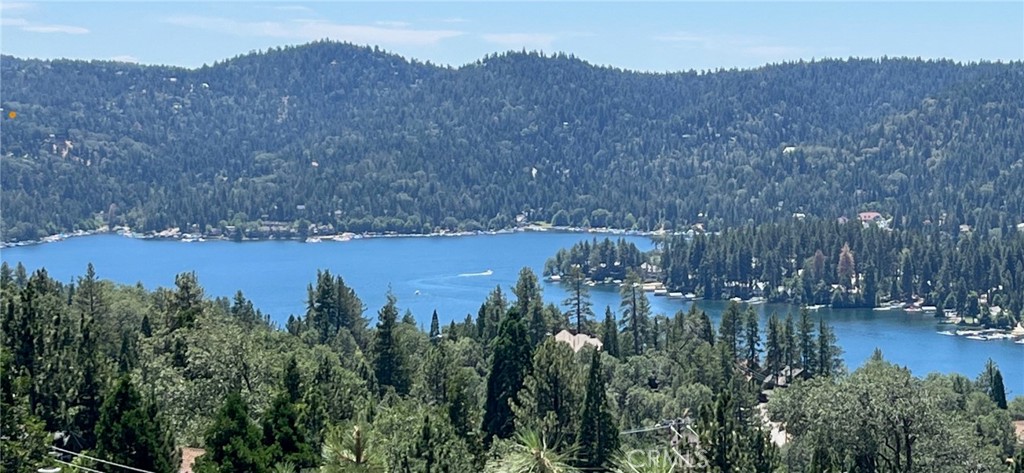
850, 265
330, 137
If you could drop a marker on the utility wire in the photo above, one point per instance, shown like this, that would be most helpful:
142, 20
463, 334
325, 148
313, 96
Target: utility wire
90, 470
100, 460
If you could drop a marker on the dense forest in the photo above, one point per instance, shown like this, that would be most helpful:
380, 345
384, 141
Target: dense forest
974, 273
331, 137
977, 275
129, 376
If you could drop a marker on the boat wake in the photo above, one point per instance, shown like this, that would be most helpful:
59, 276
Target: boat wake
472, 275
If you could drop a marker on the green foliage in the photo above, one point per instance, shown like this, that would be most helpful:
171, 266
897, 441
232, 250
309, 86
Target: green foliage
510, 364
284, 436
232, 441
610, 333
597, 440
551, 395
287, 397
133, 431
599, 260
25, 441
785, 261
531, 454
991, 382
351, 449
882, 419
390, 363
636, 314
333, 307
530, 303
369, 120
578, 303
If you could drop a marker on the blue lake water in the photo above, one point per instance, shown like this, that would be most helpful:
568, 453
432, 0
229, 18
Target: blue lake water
453, 276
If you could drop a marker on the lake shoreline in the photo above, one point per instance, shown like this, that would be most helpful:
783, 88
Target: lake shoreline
176, 234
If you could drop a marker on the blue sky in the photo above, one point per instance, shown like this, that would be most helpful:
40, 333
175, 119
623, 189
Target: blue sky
658, 36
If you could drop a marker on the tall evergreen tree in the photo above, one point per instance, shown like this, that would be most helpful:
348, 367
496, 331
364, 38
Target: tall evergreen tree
435, 329
829, 354
992, 383
134, 432
720, 436
283, 434
806, 343
730, 328
489, 317
530, 303
510, 363
390, 366
90, 383
610, 333
774, 346
578, 302
636, 311
702, 328
25, 439
551, 395
598, 438
232, 441
751, 338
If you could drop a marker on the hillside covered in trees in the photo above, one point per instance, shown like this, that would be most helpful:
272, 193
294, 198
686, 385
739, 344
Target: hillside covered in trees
360, 140
129, 376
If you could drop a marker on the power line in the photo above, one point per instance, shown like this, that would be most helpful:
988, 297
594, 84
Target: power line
644, 429
100, 460
72, 465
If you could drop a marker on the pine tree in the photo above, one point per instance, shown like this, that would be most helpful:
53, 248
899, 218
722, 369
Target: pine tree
283, 435
539, 326
598, 438
774, 351
636, 311
846, 269
764, 455
134, 432
805, 342
610, 333
730, 327
146, 328
551, 394
25, 439
530, 303
510, 363
993, 384
488, 319
720, 438
390, 366
578, 301
292, 380
829, 354
677, 329
186, 302
702, 328
351, 449
435, 329
90, 383
751, 338
232, 441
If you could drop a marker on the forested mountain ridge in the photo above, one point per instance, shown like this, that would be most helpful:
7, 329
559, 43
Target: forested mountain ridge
363, 140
